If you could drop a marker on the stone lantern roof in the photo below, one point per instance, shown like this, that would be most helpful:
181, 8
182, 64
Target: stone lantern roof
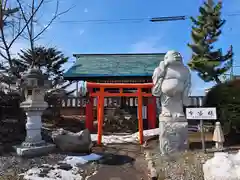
35, 74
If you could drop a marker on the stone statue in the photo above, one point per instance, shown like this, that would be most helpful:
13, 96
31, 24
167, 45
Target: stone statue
172, 82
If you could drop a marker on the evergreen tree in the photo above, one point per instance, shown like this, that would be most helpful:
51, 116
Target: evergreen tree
49, 60
209, 63
7, 77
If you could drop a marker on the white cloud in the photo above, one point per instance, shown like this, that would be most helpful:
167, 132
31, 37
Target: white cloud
149, 45
86, 10
81, 31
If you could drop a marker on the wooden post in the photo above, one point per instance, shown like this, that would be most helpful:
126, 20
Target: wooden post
77, 89
89, 112
151, 112
140, 118
100, 114
202, 129
202, 136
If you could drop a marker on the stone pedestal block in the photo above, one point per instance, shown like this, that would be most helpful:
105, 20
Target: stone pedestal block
34, 144
34, 150
173, 136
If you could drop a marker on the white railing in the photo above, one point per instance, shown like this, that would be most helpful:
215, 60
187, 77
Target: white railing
108, 101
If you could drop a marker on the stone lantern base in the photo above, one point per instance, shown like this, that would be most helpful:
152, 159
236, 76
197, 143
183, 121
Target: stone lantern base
34, 145
34, 150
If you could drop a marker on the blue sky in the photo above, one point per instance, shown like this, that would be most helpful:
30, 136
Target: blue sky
130, 36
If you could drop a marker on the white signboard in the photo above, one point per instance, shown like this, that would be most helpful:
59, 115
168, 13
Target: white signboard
201, 113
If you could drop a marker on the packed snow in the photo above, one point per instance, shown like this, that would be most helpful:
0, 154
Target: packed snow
222, 166
76, 160
49, 172
131, 138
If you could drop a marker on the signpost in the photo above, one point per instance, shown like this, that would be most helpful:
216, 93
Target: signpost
201, 114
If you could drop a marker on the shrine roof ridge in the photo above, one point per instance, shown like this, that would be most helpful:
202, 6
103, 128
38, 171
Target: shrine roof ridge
114, 65
117, 54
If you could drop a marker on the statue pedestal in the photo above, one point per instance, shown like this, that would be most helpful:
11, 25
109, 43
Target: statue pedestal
173, 136
34, 144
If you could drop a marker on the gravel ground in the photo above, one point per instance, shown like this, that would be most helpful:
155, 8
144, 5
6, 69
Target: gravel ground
187, 166
121, 160
11, 165
179, 166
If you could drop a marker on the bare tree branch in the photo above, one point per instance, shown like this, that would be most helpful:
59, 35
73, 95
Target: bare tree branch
17, 23
55, 16
29, 28
1, 54
28, 21
7, 45
7, 49
5, 4
3, 48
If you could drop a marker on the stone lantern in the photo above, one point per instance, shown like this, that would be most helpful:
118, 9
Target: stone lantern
34, 85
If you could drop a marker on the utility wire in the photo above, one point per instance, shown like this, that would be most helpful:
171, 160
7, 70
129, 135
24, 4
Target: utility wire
134, 20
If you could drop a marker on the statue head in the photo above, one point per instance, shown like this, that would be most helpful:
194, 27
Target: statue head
173, 62
172, 57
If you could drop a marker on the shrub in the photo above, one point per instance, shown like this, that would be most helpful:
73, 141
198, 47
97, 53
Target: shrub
54, 103
12, 118
226, 98
9, 103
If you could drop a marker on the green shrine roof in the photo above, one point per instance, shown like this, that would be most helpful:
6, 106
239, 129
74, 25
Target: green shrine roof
112, 65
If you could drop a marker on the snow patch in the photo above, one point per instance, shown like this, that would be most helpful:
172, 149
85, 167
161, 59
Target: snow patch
53, 173
222, 166
76, 160
131, 138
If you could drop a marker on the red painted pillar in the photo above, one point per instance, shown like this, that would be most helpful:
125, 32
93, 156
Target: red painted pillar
152, 112
89, 112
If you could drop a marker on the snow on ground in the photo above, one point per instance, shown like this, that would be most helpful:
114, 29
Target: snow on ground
133, 138
48, 172
76, 160
68, 169
130, 138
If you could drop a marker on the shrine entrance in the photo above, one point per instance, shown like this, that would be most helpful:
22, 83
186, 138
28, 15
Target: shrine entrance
139, 90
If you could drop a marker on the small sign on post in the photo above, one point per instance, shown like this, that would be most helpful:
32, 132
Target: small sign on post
201, 114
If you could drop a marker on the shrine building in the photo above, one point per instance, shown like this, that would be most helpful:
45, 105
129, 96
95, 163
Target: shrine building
117, 68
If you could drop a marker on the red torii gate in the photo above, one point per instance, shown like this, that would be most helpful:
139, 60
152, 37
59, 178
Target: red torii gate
151, 106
